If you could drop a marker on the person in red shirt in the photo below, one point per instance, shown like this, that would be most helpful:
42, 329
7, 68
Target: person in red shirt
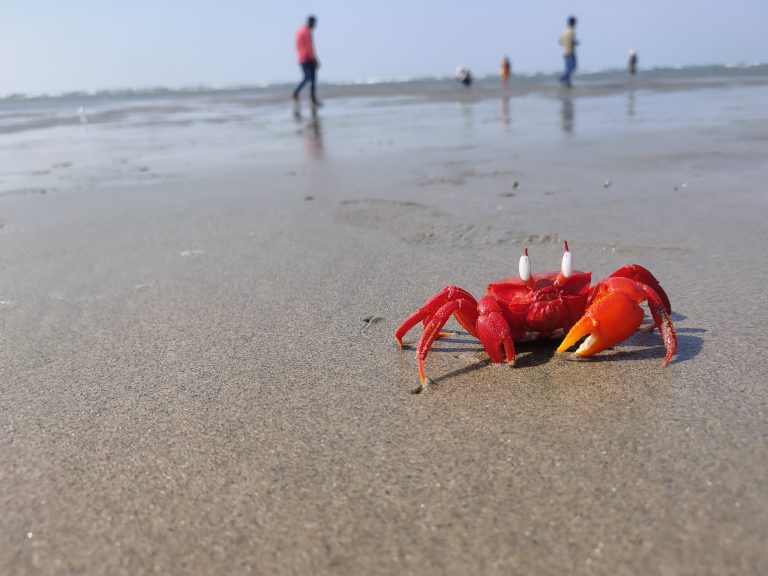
307, 59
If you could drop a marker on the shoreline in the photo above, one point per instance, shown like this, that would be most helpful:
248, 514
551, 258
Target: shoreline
19, 114
721, 71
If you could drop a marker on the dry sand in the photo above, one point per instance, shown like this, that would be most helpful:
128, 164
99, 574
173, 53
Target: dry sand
198, 373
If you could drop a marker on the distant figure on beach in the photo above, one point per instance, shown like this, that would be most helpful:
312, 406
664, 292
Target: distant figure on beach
464, 76
506, 70
632, 63
568, 42
308, 61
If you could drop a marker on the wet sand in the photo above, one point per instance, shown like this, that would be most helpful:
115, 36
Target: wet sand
198, 373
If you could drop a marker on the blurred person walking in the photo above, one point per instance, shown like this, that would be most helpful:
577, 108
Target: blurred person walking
308, 61
506, 70
632, 63
568, 42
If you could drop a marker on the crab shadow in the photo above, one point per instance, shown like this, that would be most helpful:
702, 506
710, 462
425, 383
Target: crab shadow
645, 346
642, 346
688, 344
527, 354
461, 371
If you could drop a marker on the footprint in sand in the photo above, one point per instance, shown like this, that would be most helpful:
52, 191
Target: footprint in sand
379, 213
420, 225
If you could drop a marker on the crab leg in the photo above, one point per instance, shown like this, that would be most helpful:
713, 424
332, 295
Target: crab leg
614, 315
430, 308
462, 307
640, 274
494, 332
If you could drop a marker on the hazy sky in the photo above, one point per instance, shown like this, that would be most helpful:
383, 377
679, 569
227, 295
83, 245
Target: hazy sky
52, 45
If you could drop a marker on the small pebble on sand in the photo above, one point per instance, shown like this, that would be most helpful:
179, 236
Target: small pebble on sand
191, 253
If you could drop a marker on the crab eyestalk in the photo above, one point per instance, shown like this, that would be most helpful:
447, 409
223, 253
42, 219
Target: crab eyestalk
566, 268
524, 268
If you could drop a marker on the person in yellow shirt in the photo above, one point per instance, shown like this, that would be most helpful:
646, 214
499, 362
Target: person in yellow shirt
568, 42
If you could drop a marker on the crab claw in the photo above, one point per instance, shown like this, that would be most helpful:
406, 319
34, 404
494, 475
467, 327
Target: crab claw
608, 321
615, 315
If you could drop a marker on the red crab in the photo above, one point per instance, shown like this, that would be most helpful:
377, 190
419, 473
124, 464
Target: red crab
548, 305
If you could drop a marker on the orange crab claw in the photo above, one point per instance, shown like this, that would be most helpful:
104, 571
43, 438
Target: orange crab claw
615, 315
608, 321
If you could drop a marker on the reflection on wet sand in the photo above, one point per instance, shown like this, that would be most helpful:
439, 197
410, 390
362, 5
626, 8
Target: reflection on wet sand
566, 113
467, 115
506, 119
631, 102
313, 134
313, 138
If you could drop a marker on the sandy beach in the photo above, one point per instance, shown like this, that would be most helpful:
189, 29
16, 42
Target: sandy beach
198, 373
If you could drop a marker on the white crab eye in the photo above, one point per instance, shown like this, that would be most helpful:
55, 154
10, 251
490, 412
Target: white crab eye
567, 266
525, 267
